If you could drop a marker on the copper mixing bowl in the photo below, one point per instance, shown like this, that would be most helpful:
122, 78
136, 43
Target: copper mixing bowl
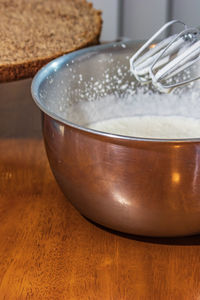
140, 186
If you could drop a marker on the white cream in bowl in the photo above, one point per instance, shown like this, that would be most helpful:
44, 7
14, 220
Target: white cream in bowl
164, 127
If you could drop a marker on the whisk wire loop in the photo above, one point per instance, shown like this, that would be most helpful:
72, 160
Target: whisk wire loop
166, 59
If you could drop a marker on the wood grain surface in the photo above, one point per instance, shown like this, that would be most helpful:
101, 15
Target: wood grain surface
49, 251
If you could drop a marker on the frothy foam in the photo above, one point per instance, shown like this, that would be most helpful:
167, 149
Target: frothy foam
165, 127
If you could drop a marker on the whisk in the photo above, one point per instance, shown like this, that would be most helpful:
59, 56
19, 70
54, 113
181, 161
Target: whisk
162, 63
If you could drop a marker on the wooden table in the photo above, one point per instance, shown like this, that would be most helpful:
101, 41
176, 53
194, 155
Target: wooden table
49, 251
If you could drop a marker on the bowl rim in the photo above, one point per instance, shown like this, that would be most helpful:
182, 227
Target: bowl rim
57, 63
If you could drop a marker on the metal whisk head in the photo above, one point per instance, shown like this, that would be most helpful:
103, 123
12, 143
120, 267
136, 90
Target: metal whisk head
162, 63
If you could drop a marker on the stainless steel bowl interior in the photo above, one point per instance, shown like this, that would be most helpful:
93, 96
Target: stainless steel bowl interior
95, 84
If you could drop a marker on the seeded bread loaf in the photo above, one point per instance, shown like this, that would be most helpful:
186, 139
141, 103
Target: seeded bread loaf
34, 32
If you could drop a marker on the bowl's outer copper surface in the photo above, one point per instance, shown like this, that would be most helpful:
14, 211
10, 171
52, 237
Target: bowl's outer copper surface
139, 187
